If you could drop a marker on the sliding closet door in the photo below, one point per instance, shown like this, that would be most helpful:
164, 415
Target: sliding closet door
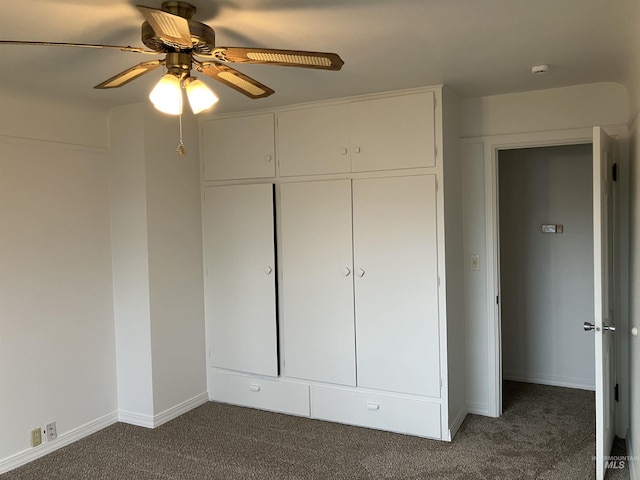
240, 299
395, 261
317, 313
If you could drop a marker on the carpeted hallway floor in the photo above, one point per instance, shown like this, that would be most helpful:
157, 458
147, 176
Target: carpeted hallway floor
545, 433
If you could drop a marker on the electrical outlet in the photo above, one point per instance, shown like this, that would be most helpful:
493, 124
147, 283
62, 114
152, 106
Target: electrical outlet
35, 437
50, 431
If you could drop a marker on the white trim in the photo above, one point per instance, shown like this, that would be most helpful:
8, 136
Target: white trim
49, 143
478, 408
137, 419
553, 380
64, 439
634, 471
153, 421
180, 409
457, 423
493, 144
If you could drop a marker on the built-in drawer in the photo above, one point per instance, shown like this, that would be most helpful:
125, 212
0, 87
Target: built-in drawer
402, 415
255, 392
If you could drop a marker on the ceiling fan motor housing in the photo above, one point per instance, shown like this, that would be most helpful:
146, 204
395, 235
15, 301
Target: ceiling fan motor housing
202, 36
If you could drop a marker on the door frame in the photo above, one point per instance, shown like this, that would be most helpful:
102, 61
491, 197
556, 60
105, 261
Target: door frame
492, 147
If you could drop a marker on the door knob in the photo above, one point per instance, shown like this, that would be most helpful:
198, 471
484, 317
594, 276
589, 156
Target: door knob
610, 328
588, 326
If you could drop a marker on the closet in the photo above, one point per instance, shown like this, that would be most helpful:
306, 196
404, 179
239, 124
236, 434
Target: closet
327, 274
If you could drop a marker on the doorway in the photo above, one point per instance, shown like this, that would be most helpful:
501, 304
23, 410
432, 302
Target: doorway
545, 211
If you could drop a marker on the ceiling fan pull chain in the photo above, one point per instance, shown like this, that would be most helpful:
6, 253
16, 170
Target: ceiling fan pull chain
181, 151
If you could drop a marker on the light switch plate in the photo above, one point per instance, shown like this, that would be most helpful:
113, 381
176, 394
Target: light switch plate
474, 262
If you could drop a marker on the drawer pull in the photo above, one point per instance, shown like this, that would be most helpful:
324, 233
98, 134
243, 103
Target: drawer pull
373, 406
254, 387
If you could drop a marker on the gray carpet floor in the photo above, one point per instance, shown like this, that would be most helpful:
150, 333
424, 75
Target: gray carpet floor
545, 433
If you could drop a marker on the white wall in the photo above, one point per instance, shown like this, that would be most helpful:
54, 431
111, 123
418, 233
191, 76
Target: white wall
57, 120
475, 289
158, 282
545, 110
487, 121
57, 348
130, 261
175, 261
546, 279
456, 362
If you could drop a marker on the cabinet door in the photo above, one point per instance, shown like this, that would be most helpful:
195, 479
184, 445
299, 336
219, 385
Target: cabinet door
391, 133
240, 273
239, 147
317, 313
395, 261
314, 141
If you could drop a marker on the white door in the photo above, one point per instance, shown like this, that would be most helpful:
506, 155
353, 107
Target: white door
317, 281
240, 301
603, 305
396, 283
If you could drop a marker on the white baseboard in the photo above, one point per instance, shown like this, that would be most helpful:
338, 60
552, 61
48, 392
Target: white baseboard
553, 380
153, 421
64, 439
137, 419
634, 467
457, 423
180, 409
478, 408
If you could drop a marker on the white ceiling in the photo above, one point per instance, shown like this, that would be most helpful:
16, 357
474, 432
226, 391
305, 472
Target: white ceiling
478, 47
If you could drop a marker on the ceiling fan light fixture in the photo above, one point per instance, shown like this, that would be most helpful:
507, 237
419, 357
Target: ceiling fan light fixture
200, 96
166, 96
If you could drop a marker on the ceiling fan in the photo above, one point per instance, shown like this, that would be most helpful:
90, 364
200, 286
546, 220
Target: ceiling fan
189, 44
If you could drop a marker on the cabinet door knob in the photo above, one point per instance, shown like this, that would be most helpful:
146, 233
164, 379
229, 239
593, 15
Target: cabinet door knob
344, 151
254, 387
269, 158
360, 272
373, 406
357, 149
346, 272
268, 270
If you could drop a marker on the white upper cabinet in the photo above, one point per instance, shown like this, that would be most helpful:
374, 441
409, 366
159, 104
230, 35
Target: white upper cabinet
396, 284
317, 281
239, 256
314, 141
238, 147
387, 133
393, 132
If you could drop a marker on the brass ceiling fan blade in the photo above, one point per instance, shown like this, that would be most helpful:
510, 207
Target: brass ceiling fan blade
289, 58
81, 45
234, 79
130, 74
170, 28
